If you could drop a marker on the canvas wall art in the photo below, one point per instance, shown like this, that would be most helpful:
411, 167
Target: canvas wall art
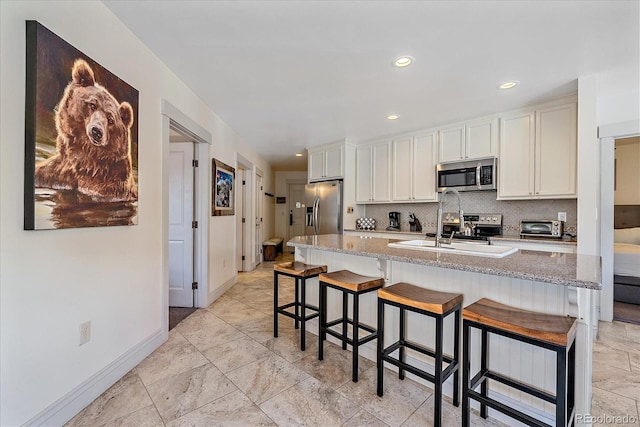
222, 186
81, 139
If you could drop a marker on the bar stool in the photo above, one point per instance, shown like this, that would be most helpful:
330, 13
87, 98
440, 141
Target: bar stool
552, 332
430, 303
300, 273
349, 284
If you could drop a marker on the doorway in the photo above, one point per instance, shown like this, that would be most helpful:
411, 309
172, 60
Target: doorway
608, 134
258, 218
241, 218
296, 207
182, 222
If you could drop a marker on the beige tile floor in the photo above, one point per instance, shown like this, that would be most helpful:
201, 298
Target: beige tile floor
222, 366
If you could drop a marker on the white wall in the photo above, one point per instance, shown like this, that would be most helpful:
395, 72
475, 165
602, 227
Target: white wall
618, 96
51, 281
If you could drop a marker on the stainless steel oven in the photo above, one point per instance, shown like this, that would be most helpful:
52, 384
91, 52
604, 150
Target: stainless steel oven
468, 176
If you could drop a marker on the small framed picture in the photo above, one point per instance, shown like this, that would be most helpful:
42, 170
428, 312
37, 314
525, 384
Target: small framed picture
223, 191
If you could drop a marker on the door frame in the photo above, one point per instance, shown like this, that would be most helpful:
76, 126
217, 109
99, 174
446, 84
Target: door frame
249, 209
608, 134
172, 116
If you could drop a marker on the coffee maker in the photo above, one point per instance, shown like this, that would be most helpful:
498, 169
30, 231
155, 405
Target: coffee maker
394, 221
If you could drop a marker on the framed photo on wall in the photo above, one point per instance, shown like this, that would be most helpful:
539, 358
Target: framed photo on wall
81, 139
223, 197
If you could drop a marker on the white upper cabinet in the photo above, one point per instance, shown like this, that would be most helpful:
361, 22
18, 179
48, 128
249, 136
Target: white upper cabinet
467, 141
326, 162
414, 162
373, 172
538, 154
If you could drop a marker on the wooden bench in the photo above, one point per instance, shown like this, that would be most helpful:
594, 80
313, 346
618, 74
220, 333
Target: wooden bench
271, 248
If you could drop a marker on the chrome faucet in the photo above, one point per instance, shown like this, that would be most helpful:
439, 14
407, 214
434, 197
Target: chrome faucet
439, 233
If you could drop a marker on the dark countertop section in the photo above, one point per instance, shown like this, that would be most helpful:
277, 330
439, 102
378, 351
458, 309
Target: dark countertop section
573, 270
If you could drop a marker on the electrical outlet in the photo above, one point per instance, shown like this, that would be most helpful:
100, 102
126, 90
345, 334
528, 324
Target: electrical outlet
85, 332
562, 216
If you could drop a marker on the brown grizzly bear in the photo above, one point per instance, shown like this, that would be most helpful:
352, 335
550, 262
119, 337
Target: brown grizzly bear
94, 142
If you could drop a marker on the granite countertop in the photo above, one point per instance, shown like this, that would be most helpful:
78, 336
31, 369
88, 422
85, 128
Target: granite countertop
515, 237
582, 271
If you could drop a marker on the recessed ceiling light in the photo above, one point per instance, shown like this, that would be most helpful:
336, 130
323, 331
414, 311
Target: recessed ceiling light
403, 61
508, 85
298, 154
393, 117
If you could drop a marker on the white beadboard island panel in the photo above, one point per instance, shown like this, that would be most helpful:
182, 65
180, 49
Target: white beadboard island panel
554, 283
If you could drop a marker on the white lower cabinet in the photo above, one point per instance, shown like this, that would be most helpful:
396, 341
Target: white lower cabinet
414, 163
373, 172
538, 154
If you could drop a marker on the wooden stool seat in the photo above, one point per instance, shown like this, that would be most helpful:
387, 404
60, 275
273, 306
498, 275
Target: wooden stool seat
348, 283
548, 331
351, 281
301, 269
544, 327
420, 298
300, 273
434, 304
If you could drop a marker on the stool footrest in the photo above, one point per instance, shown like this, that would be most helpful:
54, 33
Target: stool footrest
518, 385
386, 356
373, 335
350, 321
282, 310
501, 407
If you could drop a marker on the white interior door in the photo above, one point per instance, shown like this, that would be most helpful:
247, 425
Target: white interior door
258, 218
296, 211
181, 202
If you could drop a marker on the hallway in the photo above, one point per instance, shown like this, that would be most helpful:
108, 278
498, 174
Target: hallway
222, 366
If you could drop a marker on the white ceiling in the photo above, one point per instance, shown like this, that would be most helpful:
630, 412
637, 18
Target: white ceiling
286, 75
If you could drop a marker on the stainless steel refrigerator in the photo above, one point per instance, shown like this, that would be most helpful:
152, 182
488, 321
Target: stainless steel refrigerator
324, 208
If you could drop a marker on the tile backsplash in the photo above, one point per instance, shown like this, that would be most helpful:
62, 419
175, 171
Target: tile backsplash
513, 211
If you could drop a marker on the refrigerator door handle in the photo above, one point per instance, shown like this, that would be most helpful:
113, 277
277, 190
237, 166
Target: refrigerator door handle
316, 214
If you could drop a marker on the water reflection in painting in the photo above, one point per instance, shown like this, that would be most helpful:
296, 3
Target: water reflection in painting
71, 209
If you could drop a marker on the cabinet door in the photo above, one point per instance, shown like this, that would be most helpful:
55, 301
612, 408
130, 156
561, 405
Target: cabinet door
481, 139
402, 168
334, 163
316, 165
363, 174
556, 151
381, 176
515, 167
452, 144
424, 167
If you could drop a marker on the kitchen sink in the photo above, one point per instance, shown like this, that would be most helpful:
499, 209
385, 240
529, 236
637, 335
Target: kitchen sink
458, 248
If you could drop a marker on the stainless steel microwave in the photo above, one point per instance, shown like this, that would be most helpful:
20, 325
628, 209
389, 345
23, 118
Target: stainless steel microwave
468, 176
541, 228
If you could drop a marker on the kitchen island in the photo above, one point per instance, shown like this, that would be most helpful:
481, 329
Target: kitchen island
548, 282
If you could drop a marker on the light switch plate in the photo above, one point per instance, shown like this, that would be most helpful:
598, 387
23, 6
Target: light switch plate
562, 216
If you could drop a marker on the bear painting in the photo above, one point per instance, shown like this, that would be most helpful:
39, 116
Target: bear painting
93, 144
81, 130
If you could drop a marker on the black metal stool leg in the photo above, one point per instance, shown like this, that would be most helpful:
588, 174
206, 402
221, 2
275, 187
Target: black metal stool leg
354, 347
380, 362
275, 304
466, 382
345, 313
322, 300
484, 356
561, 387
456, 358
437, 403
402, 339
296, 304
303, 305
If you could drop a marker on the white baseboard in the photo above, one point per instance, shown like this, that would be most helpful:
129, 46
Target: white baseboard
217, 293
69, 405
